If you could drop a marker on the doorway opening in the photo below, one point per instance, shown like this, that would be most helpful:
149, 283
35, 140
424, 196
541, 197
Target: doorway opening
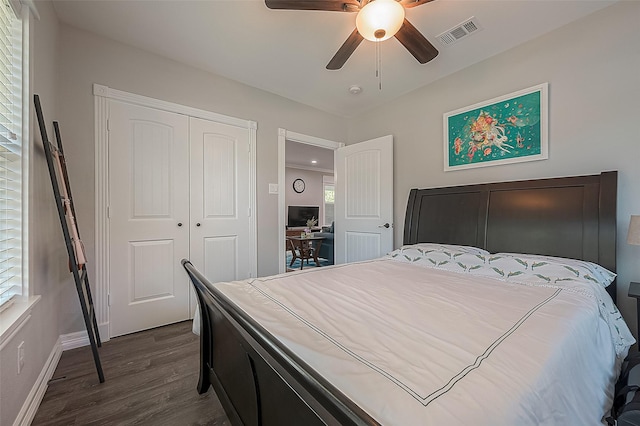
314, 185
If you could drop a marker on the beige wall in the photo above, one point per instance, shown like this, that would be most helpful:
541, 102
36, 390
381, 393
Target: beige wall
592, 67
48, 276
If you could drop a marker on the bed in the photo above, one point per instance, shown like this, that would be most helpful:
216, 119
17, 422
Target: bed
464, 324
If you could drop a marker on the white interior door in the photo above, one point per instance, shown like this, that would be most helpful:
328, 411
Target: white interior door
149, 217
364, 200
220, 200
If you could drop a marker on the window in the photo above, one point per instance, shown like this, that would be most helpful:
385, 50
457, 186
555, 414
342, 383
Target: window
329, 197
11, 155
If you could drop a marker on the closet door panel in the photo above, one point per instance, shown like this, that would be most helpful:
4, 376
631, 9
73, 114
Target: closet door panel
219, 176
220, 257
149, 214
220, 200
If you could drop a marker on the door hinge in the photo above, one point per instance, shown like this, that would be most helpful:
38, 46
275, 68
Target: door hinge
249, 212
108, 125
108, 212
108, 299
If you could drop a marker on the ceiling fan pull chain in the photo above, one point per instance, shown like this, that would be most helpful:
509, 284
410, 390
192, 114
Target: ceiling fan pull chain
376, 57
379, 64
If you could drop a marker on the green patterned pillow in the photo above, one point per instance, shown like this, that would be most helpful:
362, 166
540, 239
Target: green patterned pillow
449, 248
559, 265
436, 255
526, 269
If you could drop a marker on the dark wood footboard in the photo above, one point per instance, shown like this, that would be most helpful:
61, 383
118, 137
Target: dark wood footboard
259, 381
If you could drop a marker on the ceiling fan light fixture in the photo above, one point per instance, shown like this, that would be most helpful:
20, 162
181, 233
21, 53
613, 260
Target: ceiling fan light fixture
380, 20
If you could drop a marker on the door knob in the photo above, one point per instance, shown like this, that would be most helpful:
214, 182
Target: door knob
386, 225
179, 223
198, 224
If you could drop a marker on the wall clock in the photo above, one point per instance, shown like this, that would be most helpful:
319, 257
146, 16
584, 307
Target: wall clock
298, 185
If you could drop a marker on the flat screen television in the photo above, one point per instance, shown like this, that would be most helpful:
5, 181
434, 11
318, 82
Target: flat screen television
298, 215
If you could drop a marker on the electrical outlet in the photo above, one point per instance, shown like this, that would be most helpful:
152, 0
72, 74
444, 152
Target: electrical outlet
20, 356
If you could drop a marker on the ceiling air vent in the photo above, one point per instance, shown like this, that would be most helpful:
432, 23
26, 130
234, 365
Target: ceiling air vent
460, 31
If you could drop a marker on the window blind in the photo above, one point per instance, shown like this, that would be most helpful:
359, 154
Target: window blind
10, 154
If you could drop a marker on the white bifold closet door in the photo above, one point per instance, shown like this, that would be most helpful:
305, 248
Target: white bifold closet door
178, 188
220, 200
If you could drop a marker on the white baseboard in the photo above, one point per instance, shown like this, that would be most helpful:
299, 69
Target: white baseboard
81, 338
31, 404
74, 340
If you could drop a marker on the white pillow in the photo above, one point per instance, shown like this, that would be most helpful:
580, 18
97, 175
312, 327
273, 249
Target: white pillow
581, 267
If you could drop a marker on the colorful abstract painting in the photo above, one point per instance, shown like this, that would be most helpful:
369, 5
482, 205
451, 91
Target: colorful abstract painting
508, 129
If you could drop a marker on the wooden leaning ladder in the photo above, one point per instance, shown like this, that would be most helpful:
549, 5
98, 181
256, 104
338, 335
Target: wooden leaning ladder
67, 214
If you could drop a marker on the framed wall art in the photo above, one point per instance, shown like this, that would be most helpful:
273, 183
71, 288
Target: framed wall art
508, 129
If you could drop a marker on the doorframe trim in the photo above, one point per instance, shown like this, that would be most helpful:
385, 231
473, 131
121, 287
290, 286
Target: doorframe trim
102, 95
285, 135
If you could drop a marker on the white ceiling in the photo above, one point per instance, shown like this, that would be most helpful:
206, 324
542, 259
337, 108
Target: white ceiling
285, 52
301, 155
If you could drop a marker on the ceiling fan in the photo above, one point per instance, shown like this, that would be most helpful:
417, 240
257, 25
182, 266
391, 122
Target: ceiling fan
377, 20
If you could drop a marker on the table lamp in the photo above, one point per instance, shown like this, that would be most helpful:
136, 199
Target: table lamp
633, 237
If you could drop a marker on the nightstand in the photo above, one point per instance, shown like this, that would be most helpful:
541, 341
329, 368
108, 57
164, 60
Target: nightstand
634, 291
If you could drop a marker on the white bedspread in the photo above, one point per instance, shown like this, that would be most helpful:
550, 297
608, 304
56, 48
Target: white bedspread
418, 346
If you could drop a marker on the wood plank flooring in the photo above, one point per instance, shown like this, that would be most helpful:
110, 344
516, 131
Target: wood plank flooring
150, 379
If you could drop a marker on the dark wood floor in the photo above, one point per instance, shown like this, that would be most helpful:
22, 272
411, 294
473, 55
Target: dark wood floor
150, 379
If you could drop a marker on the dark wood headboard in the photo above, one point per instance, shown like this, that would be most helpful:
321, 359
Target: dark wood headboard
572, 217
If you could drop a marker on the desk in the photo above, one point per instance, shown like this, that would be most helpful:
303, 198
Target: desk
302, 249
295, 232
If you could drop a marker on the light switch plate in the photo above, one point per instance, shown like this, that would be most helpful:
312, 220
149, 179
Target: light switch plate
273, 188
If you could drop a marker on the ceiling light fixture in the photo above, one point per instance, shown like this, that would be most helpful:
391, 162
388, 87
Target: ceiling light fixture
380, 20
314, 161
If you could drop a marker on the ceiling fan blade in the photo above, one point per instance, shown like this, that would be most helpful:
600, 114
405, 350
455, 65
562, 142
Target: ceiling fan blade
416, 43
345, 51
330, 5
413, 3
